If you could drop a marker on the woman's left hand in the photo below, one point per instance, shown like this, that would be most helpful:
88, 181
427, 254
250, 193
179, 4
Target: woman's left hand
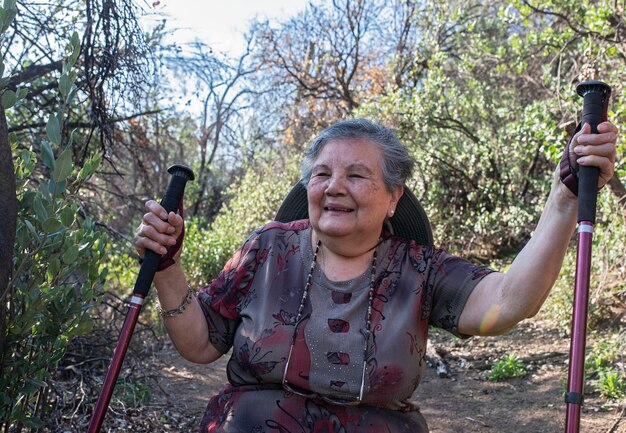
596, 150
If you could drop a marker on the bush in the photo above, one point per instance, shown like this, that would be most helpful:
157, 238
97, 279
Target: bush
252, 203
56, 268
509, 367
604, 368
608, 274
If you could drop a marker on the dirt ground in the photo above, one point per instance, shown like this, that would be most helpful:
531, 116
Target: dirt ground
465, 401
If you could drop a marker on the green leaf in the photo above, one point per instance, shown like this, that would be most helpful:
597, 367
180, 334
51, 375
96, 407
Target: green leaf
26, 156
53, 267
47, 155
40, 210
75, 40
75, 44
85, 172
8, 99
7, 18
97, 160
71, 95
44, 189
63, 166
53, 129
70, 255
31, 229
67, 216
56, 188
4, 81
84, 326
51, 225
1, 68
70, 140
65, 85
32, 385
22, 92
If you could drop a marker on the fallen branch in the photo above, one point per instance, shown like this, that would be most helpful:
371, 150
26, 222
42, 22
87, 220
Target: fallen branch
617, 420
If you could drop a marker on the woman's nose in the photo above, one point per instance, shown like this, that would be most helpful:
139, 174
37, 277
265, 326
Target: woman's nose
335, 185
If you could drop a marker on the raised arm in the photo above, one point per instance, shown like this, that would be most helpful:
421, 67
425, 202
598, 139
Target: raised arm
501, 300
188, 330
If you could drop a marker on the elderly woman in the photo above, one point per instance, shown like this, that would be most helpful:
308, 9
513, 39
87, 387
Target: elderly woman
328, 317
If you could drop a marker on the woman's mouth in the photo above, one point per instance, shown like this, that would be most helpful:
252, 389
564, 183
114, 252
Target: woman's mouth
337, 209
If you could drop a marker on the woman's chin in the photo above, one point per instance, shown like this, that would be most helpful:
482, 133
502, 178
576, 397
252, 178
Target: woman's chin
334, 229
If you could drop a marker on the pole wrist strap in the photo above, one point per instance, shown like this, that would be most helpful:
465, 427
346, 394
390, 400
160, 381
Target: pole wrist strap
167, 258
567, 173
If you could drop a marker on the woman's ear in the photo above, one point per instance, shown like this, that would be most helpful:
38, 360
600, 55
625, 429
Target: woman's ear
395, 198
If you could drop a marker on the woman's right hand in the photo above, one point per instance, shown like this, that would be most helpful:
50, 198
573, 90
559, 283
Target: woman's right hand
158, 230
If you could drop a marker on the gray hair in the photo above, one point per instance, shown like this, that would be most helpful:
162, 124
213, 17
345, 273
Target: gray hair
397, 164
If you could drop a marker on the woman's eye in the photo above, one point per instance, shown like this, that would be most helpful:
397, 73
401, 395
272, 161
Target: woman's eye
358, 176
321, 174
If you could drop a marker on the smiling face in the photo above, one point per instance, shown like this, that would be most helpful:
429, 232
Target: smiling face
347, 195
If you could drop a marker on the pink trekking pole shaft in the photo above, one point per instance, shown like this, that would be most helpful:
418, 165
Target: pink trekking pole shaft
595, 106
180, 175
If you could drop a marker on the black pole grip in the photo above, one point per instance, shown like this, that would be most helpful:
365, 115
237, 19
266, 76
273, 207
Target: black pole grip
180, 175
595, 111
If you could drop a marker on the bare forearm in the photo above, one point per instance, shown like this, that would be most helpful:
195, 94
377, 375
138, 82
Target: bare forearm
188, 330
528, 281
501, 300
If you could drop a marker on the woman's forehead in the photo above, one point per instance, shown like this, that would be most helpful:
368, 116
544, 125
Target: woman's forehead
351, 147
351, 155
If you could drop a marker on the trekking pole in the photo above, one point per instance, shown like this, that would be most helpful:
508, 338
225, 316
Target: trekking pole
180, 175
596, 99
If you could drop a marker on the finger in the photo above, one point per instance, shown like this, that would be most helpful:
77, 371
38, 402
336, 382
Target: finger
141, 251
594, 139
586, 129
606, 150
176, 221
144, 243
608, 127
156, 208
165, 239
151, 219
604, 165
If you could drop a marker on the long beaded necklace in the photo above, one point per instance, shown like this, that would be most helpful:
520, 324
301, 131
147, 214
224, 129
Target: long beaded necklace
309, 283
368, 318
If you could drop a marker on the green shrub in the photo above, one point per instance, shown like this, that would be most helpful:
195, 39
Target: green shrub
252, 203
56, 266
133, 393
603, 369
612, 385
608, 273
508, 367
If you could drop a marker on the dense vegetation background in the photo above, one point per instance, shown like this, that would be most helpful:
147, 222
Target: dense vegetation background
482, 92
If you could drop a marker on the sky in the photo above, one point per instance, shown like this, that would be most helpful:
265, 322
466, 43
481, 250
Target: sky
221, 24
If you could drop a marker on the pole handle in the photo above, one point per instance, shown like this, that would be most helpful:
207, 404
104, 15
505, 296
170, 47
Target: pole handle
180, 175
595, 111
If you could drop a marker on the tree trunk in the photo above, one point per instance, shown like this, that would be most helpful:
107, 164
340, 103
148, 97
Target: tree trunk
8, 212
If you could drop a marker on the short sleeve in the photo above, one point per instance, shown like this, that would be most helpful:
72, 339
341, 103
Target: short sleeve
221, 300
451, 281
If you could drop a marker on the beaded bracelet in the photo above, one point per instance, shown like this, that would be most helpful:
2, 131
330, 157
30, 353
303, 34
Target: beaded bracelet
176, 311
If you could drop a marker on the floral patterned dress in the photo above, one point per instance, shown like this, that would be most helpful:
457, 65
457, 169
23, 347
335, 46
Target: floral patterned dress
251, 308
